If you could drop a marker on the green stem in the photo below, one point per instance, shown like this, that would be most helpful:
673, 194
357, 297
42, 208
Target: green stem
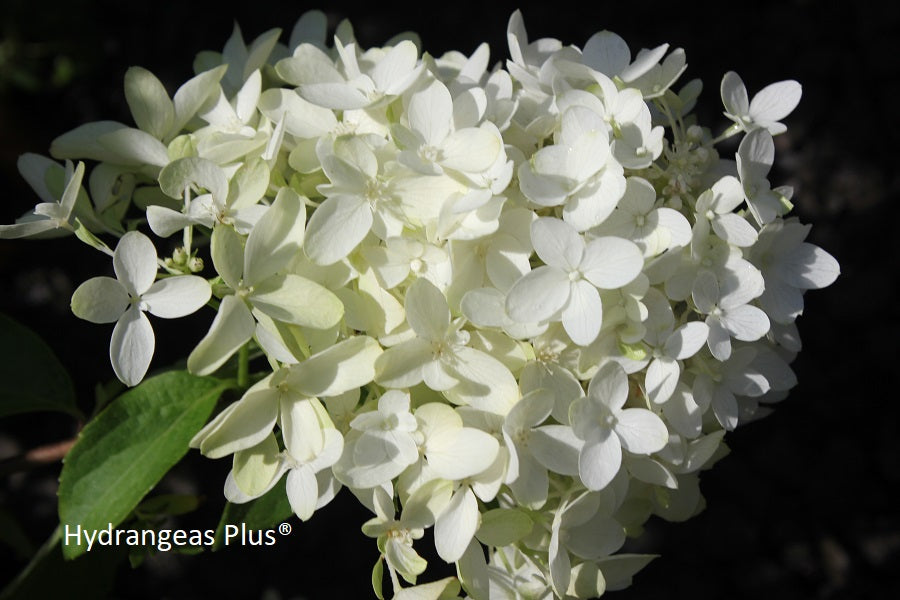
733, 130
49, 546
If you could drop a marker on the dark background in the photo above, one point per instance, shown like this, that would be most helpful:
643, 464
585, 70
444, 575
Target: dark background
806, 505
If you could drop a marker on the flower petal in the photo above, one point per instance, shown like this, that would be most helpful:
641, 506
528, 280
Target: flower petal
583, 314
456, 526
611, 262
135, 262
230, 330
175, 297
302, 491
539, 295
641, 431
600, 460
336, 227
131, 347
100, 300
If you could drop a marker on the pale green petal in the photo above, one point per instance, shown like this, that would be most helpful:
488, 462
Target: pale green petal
734, 229
300, 427
485, 383
301, 118
538, 296
600, 460
393, 73
587, 580
583, 314
429, 112
401, 366
336, 227
246, 98
308, 64
560, 563
100, 300
589, 152
600, 536
651, 471
775, 101
404, 559
557, 243
195, 173
231, 329
227, 250
607, 53
472, 150
809, 267
457, 454
705, 292
135, 262
26, 228
134, 147
35, 169
532, 482
344, 366
545, 190
687, 340
131, 347
70, 193
254, 469
193, 94
609, 386
82, 142
248, 185
175, 297
532, 410
661, 378
302, 491
456, 526
368, 461
165, 221
485, 307
436, 376
641, 431
746, 323
276, 238
618, 570
734, 95
556, 447
149, 102
427, 311
242, 425
611, 262
297, 300
338, 96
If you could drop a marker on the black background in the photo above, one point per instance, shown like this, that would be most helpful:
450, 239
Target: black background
806, 504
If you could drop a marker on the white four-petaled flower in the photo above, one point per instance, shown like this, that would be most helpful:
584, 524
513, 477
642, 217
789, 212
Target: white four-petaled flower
124, 299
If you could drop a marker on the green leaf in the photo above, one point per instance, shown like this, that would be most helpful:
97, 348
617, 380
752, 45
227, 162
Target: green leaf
126, 450
165, 505
266, 512
31, 377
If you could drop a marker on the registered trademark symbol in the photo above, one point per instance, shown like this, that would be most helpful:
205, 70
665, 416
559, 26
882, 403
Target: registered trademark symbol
284, 529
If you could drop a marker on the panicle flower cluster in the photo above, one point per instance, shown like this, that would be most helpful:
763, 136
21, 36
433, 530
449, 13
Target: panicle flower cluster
520, 305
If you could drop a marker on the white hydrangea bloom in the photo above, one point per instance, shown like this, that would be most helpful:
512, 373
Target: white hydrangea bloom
520, 304
124, 299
